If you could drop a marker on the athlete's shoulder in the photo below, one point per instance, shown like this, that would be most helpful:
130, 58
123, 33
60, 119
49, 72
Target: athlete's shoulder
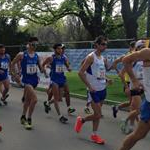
7, 56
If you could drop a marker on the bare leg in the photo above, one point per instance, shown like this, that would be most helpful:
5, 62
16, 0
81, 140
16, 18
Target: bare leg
130, 140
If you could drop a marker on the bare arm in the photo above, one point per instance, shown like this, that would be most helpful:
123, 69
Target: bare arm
48, 60
143, 55
9, 65
88, 61
67, 64
116, 61
40, 65
17, 59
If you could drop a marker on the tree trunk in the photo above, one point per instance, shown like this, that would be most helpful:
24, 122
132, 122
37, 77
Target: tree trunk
131, 27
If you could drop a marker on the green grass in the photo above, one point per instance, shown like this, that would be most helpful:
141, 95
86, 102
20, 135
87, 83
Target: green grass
114, 91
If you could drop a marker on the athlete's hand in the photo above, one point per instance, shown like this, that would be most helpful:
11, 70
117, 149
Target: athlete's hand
69, 69
109, 81
91, 89
114, 65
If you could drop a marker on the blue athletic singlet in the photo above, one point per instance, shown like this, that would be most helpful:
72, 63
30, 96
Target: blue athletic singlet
57, 70
29, 69
4, 63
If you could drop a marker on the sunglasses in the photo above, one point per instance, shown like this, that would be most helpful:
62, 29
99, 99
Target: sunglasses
103, 44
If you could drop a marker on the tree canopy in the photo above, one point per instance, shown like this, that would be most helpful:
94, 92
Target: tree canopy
97, 16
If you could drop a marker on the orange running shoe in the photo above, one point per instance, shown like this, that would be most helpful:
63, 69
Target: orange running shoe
97, 139
78, 125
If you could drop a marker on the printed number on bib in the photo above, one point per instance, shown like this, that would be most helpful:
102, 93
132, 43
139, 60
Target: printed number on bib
31, 69
59, 68
4, 65
101, 73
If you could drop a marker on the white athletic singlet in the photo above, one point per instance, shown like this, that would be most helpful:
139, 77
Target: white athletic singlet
96, 73
138, 72
146, 81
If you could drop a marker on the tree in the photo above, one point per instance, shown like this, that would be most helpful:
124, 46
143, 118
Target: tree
11, 36
131, 14
96, 15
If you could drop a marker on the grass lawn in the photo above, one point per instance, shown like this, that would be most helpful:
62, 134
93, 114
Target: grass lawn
114, 92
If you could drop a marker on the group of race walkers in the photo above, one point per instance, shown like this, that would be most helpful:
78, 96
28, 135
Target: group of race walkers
134, 76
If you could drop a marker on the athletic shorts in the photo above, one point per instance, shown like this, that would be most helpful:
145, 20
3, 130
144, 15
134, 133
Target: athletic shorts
98, 96
3, 77
60, 85
145, 111
136, 92
33, 83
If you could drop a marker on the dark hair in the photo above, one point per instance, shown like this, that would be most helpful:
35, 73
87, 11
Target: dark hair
2, 46
99, 39
31, 39
132, 44
56, 45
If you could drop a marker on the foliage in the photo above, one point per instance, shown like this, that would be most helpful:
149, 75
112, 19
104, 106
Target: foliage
96, 15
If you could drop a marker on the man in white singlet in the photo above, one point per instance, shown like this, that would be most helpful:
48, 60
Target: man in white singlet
93, 74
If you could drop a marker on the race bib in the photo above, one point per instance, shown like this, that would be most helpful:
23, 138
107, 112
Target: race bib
31, 69
101, 73
59, 68
4, 65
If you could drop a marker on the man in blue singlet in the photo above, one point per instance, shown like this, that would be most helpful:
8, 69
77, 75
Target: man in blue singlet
29, 63
5, 63
58, 63
65, 91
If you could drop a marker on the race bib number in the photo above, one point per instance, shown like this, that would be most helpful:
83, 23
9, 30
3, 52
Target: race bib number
101, 73
31, 69
4, 65
59, 68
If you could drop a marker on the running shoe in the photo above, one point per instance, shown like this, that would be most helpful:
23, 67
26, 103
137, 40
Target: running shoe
4, 99
47, 107
71, 110
28, 124
63, 119
87, 110
129, 130
78, 124
23, 120
97, 139
124, 125
114, 109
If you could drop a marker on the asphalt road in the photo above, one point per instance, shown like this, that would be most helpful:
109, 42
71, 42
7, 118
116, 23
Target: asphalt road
50, 134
